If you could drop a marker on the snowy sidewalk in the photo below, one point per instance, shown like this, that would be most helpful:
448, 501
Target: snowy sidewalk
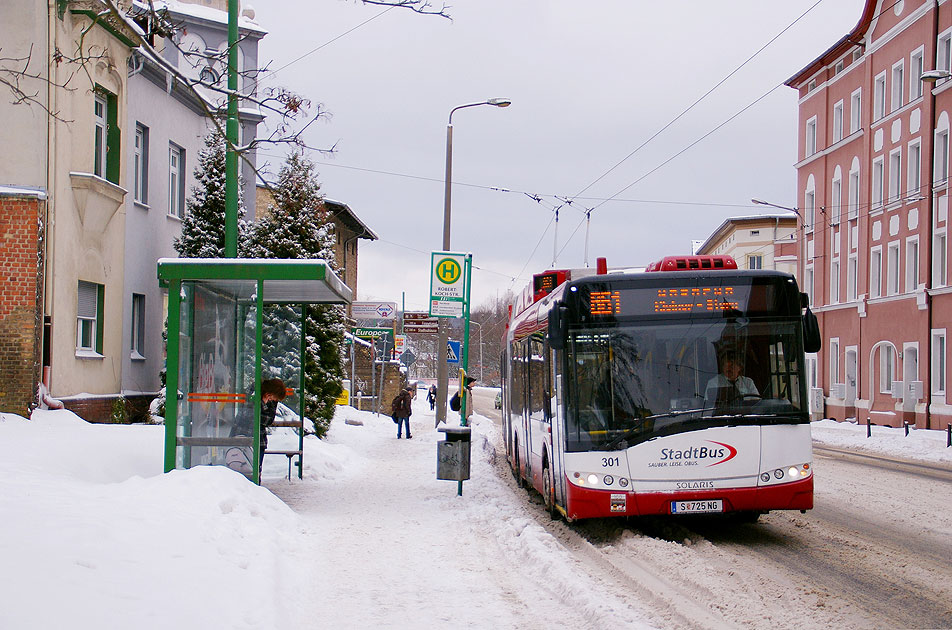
391, 546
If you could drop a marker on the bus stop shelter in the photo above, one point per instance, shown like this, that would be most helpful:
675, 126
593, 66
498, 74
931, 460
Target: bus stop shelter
217, 335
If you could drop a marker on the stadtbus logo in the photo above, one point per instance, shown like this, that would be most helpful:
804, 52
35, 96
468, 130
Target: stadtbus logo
717, 454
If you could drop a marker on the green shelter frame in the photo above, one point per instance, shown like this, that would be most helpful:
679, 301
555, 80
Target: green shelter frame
213, 379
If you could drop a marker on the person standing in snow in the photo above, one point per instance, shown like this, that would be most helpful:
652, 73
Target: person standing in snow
400, 408
431, 397
273, 391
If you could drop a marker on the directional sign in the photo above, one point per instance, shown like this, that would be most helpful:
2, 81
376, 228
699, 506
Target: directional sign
447, 286
420, 323
453, 351
373, 310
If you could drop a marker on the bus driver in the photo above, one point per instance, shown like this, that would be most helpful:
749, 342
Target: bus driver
730, 386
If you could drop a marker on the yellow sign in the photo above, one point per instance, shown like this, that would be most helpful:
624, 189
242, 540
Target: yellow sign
448, 271
344, 398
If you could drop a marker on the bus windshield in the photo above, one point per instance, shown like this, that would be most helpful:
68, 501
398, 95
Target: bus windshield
630, 383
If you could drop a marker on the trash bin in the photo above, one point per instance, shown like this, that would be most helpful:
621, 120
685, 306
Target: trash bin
452, 454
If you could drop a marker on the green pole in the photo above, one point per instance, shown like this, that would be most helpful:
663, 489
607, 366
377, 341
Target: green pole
171, 374
467, 273
301, 392
231, 129
259, 324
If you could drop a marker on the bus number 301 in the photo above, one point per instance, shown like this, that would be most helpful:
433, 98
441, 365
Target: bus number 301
609, 461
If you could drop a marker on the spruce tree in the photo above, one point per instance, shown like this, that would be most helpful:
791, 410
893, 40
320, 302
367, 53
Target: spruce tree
297, 226
203, 227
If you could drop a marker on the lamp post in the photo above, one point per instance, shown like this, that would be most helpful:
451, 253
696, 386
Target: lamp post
442, 376
800, 236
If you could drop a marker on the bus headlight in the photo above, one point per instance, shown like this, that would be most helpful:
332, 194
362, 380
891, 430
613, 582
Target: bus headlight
778, 473
609, 480
593, 479
623, 482
765, 477
793, 472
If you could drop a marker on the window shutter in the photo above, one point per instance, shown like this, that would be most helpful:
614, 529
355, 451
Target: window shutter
88, 299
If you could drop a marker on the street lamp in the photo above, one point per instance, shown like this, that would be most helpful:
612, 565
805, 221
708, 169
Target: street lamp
442, 377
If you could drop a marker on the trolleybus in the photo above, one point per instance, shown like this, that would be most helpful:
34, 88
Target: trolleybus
678, 390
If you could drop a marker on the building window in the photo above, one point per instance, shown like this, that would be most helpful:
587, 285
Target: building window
938, 361
808, 283
892, 269
854, 194
89, 309
99, 141
755, 261
875, 272
856, 110
835, 281
106, 138
915, 75
939, 260
138, 326
809, 208
852, 270
176, 180
810, 137
941, 156
898, 81
811, 85
915, 170
838, 68
944, 52
838, 122
887, 367
912, 264
140, 167
836, 197
834, 362
879, 97
876, 200
895, 176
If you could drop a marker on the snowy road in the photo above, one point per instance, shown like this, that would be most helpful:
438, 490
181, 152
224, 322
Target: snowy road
873, 553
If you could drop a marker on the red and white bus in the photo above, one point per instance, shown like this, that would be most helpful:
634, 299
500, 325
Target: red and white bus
678, 390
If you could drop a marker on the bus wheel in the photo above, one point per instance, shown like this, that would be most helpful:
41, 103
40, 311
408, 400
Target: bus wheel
516, 468
548, 498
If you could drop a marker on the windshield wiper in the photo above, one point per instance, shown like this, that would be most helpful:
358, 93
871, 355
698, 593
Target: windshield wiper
616, 441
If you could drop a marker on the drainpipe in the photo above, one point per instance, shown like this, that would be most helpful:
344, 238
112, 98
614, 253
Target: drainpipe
927, 385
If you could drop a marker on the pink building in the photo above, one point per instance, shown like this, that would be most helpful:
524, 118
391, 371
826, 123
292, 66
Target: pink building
873, 194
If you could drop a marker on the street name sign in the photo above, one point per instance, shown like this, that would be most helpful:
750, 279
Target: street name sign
373, 310
420, 323
447, 284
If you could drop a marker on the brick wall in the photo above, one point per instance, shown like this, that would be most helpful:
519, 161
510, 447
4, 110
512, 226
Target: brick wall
98, 409
21, 303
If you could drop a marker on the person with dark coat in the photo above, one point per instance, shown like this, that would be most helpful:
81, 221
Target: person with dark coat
273, 391
401, 410
431, 397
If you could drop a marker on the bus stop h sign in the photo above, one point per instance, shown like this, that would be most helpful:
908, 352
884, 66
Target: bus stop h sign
447, 284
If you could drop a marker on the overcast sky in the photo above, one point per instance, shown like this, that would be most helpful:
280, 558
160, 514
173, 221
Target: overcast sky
590, 82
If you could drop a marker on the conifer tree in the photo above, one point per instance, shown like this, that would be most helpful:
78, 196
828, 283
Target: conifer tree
297, 226
203, 227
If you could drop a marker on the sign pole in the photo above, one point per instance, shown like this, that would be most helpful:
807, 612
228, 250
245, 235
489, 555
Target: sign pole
464, 399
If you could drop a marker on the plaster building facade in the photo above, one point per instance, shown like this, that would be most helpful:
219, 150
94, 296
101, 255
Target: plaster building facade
167, 127
873, 193
94, 237
756, 242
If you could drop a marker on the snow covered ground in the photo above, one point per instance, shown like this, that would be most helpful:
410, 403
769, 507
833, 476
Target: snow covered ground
93, 535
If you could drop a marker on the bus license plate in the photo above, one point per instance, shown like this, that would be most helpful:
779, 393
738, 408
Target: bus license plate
697, 507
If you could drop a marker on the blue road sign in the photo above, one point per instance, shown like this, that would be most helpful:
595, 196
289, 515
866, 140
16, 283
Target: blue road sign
453, 351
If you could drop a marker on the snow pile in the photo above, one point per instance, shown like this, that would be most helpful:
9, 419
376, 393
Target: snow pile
920, 444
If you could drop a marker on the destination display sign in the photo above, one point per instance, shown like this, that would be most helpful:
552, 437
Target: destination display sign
749, 299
